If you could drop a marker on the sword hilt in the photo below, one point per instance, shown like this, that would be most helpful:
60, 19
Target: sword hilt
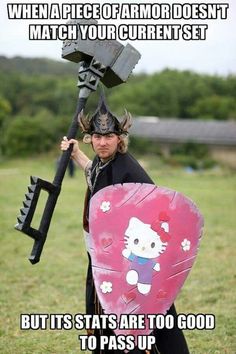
27, 212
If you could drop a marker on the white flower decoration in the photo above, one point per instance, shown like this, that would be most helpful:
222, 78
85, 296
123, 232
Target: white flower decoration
106, 287
186, 244
105, 206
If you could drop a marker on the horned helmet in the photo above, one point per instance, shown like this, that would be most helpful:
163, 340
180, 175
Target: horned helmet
104, 122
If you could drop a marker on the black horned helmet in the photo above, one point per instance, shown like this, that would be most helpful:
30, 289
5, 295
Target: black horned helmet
104, 122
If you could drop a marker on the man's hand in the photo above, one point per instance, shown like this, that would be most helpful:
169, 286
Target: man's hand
65, 143
77, 155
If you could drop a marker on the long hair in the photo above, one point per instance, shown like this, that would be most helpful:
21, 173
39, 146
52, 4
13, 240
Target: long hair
123, 144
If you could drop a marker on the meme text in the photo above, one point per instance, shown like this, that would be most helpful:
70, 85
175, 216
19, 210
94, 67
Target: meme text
200, 13
126, 322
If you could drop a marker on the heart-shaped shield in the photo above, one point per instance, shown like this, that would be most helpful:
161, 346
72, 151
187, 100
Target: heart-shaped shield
143, 242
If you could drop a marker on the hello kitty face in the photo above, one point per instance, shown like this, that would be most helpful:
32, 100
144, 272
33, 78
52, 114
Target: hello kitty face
142, 241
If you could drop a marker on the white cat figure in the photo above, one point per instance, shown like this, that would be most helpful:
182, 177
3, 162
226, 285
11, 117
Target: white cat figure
143, 245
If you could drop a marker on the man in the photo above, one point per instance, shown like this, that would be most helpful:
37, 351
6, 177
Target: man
113, 165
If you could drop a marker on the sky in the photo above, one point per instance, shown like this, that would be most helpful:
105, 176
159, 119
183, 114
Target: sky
214, 55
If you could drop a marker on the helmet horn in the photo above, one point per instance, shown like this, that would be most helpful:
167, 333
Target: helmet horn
83, 121
126, 122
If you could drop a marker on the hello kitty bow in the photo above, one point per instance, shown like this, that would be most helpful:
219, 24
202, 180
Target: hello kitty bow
161, 226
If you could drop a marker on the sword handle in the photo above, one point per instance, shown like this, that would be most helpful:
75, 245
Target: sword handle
71, 134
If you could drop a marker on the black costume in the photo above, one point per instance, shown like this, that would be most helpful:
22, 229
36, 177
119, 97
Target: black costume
123, 168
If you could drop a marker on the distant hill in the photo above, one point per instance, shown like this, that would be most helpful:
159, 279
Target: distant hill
29, 85
37, 66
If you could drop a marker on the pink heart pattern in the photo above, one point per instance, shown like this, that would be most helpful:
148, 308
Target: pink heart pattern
130, 283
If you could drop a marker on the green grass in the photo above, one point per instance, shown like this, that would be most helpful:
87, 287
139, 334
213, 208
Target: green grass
57, 283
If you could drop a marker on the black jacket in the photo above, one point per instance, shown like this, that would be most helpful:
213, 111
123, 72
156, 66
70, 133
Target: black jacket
122, 169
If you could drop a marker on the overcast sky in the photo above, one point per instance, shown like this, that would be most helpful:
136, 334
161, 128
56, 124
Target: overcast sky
215, 55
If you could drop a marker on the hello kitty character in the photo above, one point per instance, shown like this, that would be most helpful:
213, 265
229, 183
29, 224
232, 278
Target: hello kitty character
144, 243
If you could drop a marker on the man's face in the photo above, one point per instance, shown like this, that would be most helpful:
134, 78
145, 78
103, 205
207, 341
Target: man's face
105, 145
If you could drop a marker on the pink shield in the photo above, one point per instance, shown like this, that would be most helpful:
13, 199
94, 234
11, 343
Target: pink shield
143, 242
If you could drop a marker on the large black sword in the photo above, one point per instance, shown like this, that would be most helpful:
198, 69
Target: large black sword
106, 61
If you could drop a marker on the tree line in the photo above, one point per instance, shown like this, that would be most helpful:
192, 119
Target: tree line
38, 96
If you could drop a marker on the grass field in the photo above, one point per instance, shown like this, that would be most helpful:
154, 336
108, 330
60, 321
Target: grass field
56, 284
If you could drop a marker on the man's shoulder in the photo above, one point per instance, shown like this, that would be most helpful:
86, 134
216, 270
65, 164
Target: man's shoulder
126, 157
130, 169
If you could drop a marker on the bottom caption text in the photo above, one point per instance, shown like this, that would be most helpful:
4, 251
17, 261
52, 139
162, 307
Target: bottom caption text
126, 323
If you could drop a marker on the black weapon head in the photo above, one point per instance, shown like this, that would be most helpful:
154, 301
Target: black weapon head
111, 57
